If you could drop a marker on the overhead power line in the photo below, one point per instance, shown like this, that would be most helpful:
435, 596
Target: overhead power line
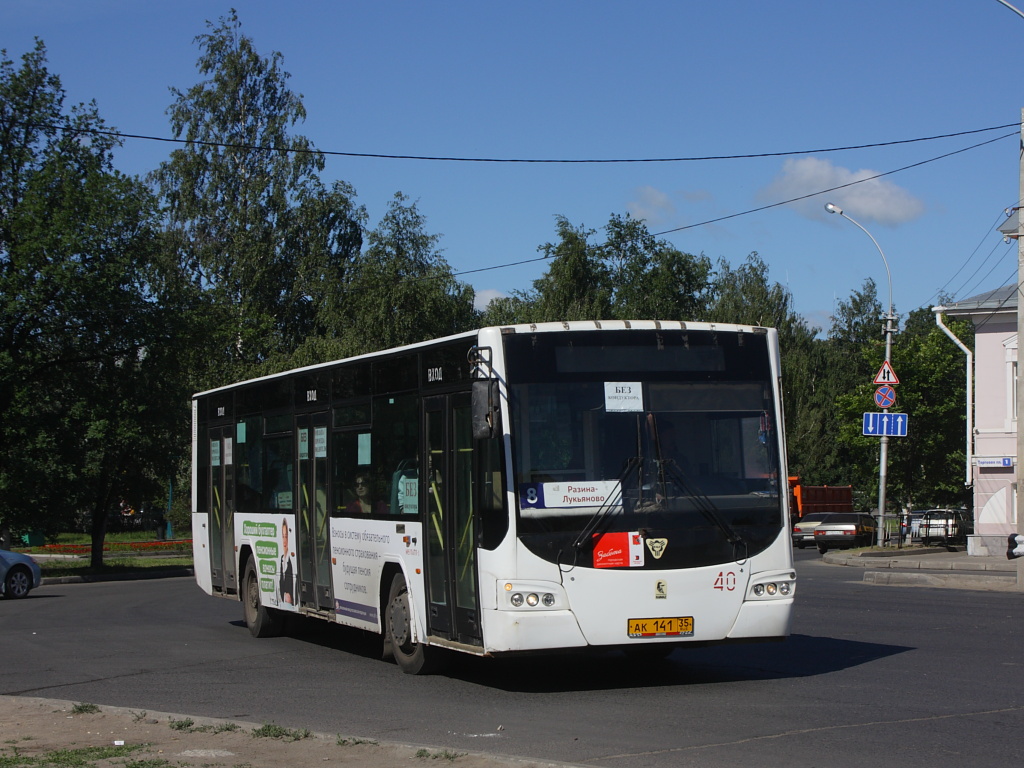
833, 189
456, 159
303, 150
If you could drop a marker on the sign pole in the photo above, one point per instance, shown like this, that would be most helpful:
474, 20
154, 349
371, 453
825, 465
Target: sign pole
883, 450
883, 454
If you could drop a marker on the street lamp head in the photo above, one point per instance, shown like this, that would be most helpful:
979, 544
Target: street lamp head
833, 208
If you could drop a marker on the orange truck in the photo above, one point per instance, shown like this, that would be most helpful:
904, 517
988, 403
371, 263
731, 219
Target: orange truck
804, 499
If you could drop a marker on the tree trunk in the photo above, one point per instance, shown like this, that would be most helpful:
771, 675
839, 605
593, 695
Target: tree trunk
98, 533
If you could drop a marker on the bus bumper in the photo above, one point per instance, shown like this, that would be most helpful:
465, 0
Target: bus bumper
529, 631
768, 618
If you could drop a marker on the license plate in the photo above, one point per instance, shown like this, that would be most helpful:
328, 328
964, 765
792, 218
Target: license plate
677, 626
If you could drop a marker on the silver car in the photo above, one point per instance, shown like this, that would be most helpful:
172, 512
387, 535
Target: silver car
803, 529
844, 530
19, 574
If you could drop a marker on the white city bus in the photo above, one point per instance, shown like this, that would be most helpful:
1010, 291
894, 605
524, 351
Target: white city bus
572, 485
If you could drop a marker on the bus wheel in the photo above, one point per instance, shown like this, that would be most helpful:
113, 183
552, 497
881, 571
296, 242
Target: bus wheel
412, 658
261, 621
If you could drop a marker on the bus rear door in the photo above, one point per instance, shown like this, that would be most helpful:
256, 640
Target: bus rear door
222, 509
314, 546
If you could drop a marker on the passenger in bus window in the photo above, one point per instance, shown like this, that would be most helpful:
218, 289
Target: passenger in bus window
286, 588
363, 503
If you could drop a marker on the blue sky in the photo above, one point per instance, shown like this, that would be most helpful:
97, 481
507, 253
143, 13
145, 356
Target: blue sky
603, 80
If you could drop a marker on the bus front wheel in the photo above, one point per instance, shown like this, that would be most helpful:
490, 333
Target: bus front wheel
261, 621
412, 658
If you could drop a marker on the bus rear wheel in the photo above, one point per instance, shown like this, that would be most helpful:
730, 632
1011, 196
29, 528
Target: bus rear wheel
261, 621
412, 658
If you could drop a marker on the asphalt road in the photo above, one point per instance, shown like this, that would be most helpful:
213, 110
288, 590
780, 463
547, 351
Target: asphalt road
872, 675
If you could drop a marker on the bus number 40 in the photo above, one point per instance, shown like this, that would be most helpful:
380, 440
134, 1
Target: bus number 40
726, 580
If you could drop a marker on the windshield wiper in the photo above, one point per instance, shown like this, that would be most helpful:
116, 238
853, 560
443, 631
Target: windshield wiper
669, 470
702, 503
613, 500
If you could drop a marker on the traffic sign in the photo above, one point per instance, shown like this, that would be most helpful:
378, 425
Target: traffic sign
886, 424
886, 375
885, 396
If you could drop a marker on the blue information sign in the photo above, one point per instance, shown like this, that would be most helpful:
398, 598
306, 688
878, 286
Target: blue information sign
887, 424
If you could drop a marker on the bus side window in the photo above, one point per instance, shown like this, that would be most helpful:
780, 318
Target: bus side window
344, 466
395, 443
277, 469
405, 488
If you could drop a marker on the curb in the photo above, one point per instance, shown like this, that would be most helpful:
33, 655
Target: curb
989, 582
916, 562
129, 576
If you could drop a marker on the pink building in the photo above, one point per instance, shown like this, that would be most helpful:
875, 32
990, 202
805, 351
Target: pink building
994, 315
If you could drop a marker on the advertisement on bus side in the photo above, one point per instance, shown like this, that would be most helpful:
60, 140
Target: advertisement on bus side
272, 539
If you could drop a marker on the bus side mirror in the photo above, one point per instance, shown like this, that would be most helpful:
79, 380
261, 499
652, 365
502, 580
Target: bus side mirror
486, 413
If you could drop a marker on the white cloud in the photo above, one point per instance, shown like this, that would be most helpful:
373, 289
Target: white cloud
485, 296
652, 205
875, 200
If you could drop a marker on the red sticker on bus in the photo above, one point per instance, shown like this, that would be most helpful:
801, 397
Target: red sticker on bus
618, 550
611, 550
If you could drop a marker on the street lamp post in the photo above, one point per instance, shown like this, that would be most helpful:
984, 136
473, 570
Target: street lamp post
890, 329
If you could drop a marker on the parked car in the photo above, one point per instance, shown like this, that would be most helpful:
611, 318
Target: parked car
844, 530
946, 527
19, 574
915, 525
803, 529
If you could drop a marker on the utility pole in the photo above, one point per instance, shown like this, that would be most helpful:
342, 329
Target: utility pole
1019, 490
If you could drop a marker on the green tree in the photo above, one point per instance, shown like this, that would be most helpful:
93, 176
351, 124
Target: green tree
88, 383
857, 352
631, 275
257, 229
400, 290
576, 284
929, 463
650, 278
857, 321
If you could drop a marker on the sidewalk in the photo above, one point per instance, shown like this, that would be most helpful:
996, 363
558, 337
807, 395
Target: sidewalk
55, 732
930, 567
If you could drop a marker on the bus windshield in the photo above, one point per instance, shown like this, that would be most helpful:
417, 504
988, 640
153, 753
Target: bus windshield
658, 448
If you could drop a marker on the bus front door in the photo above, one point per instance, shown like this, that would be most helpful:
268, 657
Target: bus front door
314, 546
447, 486
222, 509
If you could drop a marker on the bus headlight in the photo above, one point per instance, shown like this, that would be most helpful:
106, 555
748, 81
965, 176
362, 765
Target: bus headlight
539, 595
774, 586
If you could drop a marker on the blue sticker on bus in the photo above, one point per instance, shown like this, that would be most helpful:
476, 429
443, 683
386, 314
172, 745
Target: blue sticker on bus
531, 495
